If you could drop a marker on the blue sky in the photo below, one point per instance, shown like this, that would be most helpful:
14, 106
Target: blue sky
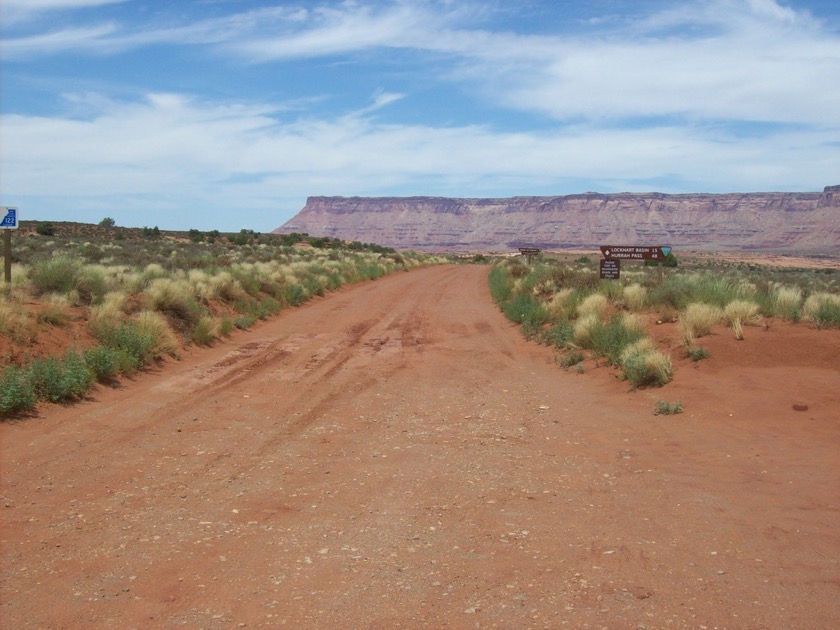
227, 114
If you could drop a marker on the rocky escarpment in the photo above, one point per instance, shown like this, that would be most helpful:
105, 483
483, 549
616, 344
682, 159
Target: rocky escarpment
774, 222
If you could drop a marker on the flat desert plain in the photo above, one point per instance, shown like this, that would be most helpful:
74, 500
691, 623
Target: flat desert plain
396, 455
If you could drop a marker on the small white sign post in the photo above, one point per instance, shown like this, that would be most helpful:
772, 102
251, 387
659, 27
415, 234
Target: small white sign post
7, 224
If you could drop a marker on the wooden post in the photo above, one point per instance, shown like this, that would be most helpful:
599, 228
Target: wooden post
7, 253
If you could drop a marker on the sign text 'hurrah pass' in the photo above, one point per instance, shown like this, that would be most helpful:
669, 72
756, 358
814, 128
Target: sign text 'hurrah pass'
635, 252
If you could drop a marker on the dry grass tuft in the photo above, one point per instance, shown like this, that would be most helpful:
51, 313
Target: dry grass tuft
558, 306
634, 323
644, 365
584, 326
742, 311
154, 325
787, 302
594, 304
698, 320
635, 296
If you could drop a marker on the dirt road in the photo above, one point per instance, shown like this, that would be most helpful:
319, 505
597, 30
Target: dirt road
396, 456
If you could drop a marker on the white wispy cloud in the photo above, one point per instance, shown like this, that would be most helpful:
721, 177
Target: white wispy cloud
171, 153
17, 11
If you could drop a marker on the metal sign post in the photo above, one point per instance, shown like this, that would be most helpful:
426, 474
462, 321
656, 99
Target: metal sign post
9, 223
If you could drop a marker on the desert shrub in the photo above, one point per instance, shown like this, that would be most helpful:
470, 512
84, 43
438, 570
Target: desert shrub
132, 345
644, 366
697, 353
267, 307
54, 275
107, 364
674, 293
107, 315
294, 294
611, 290
16, 391
172, 298
244, 322
16, 323
226, 326
582, 331
248, 278
823, 309
528, 311
571, 359
787, 302
226, 287
663, 408
140, 341
205, 331
545, 289
698, 320
61, 379
559, 334
516, 268
595, 304
579, 279
153, 325
609, 338
635, 296
634, 323
56, 310
90, 285
743, 311
558, 305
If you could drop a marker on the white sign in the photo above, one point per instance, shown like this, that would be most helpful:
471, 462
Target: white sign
10, 221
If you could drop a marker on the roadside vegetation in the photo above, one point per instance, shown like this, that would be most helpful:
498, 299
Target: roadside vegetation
131, 297
561, 302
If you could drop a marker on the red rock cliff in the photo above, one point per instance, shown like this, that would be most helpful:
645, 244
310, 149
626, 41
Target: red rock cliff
779, 222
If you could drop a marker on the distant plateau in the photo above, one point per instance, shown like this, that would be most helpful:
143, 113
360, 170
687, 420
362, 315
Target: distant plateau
782, 222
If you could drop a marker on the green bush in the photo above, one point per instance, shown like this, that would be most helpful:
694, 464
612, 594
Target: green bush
61, 379
45, 229
501, 285
663, 408
16, 391
698, 353
137, 347
528, 311
107, 364
559, 334
204, 332
91, 285
609, 339
55, 275
645, 366
294, 294
569, 360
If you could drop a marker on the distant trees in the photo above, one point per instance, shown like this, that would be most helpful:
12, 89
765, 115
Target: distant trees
45, 229
107, 222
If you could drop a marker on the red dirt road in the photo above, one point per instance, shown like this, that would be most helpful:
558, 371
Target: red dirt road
396, 456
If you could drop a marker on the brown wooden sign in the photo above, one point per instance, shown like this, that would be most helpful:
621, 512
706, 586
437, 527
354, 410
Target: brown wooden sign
610, 269
635, 252
529, 252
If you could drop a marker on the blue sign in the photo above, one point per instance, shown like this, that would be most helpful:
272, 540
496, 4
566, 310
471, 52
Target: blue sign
665, 251
9, 221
